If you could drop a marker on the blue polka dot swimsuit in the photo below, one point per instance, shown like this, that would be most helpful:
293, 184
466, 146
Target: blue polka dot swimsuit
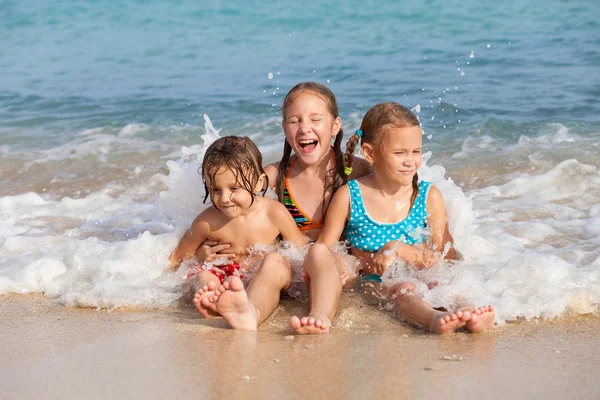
366, 234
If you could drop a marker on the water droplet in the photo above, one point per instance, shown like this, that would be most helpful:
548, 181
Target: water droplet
488, 46
270, 75
472, 55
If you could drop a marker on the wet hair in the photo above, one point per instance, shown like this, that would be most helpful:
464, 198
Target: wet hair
374, 124
335, 177
238, 154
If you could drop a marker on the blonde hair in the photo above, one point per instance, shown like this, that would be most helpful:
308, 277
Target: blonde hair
373, 127
336, 176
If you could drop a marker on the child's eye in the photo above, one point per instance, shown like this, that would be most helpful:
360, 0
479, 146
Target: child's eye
417, 151
233, 189
293, 121
316, 120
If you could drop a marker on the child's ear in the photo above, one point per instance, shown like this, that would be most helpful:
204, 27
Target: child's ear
261, 183
337, 125
367, 152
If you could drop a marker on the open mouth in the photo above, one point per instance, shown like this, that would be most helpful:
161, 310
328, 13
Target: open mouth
308, 145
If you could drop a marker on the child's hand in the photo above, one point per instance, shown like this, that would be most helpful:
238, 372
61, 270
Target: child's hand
209, 251
385, 256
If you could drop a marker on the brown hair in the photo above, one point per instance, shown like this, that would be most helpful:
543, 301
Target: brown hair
336, 176
238, 154
373, 125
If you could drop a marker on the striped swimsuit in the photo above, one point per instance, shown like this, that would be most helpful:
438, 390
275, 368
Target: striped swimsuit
302, 220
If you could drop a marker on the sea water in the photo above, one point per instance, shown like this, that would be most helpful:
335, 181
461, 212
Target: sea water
103, 127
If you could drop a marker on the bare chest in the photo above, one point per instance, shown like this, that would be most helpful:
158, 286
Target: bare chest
243, 234
387, 210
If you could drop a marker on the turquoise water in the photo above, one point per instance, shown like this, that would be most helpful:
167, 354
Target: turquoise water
66, 66
102, 109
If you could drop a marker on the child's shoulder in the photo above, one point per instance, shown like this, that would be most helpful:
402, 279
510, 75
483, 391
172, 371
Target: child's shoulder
272, 170
269, 204
433, 193
208, 216
272, 208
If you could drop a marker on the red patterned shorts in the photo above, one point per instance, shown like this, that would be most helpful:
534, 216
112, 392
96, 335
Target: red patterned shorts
220, 271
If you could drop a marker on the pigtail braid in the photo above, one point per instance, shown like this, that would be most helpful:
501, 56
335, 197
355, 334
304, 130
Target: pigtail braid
350, 148
339, 159
282, 170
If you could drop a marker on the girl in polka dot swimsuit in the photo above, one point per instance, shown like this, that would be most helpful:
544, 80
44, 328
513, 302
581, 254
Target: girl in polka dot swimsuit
389, 215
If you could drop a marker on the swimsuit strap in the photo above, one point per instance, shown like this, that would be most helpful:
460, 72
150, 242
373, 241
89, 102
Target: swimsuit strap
300, 218
357, 206
303, 221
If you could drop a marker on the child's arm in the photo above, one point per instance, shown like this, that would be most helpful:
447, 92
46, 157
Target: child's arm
287, 226
272, 170
437, 221
190, 241
337, 215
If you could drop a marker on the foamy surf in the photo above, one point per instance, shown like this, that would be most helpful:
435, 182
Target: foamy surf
529, 246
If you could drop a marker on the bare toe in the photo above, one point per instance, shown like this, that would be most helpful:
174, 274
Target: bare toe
233, 304
446, 323
203, 304
311, 324
482, 319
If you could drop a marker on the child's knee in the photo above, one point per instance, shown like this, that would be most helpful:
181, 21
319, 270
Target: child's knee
318, 250
404, 292
276, 265
319, 257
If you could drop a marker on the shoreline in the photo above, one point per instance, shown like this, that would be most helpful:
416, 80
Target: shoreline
52, 351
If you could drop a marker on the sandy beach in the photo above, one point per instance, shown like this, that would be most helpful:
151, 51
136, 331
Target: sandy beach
54, 352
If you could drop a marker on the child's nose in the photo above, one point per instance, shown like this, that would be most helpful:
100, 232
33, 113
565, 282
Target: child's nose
304, 126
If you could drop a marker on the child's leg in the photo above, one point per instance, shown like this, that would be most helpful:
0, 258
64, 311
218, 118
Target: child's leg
204, 284
247, 309
420, 312
325, 291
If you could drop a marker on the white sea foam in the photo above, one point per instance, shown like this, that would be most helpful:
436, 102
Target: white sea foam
534, 251
530, 246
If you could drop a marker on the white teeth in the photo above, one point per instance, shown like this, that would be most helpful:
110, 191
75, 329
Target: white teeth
308, 141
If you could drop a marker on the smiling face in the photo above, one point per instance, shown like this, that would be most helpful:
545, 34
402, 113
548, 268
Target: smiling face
228, 195
398, 155
309, 127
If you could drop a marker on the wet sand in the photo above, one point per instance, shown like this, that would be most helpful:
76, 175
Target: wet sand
54, 352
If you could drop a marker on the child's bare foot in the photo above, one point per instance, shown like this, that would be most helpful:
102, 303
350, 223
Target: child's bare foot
314, 323
482, 318
232, 303
449, 322
203, 300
